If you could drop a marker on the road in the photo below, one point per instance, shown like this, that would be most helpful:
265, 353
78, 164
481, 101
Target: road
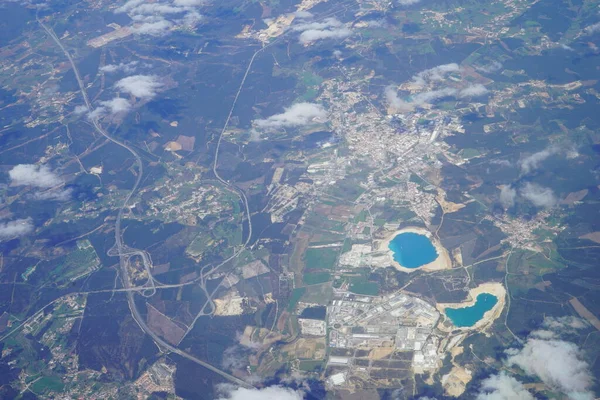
124, 252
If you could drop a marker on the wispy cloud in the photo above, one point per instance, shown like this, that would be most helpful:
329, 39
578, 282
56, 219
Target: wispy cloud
189, 3
429, 78
438, 73
140, 86
433, 95
234, 358
491, 67
298, 114
16, 228
125, 67
54, 194
329, 28
504, 163
230, 392
473, 91
533, 161
564, 325
40, 176
430, 96
158, 18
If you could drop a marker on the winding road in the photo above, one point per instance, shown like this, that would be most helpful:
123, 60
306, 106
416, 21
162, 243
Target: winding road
123, 252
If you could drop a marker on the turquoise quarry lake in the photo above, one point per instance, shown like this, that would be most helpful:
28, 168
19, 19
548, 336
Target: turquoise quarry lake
468, 316
412, 250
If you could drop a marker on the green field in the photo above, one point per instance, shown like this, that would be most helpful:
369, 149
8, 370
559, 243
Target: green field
295, 298
316, 278
48, 384
323, 258
308, 366
367, 288
318, 294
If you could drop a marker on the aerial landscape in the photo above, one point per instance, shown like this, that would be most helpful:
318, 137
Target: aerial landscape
300, 199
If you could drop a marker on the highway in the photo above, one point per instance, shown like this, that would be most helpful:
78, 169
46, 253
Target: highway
123, 252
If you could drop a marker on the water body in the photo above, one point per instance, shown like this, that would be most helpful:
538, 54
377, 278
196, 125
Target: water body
468, 316
412, 250
318, 312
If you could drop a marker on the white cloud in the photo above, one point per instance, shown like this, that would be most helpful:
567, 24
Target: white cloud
141, 86
543, 334
507, 196
303, 14
540, 196
33, 175
127, 68
503, 387
566, 47
189, 3
436, 73
297, 115
408, 2
116, 105
391, 95
158, 18
491, 67
15, 228
191, 18
593, 28
230, 392
329, 28
533, 161
97, 113
559, 364
153, 28
312, 35
157, 8
473, 91
129, 6
331, 22
80, 110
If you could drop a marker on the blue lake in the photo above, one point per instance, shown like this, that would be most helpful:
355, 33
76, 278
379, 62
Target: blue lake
468, 316
412, 250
